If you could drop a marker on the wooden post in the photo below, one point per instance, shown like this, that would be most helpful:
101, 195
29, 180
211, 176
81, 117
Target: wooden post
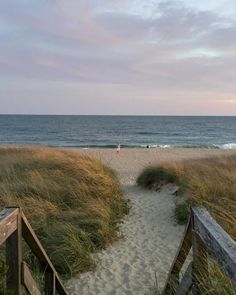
50, 282
14, 259
182, 253
28, 281
186, 282
220, 246
13, 228
208, 239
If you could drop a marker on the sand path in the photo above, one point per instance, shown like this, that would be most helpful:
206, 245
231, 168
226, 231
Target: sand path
148, 247
151, 236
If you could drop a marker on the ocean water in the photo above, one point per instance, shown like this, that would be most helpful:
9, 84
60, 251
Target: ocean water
108, 131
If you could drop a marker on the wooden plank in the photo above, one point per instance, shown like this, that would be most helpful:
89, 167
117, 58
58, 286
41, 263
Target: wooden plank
182, 253
186, 282
59, 286
28, 281
34, 243
184, 248
50, 283
38, 250
14, 258
218, 243
8, 223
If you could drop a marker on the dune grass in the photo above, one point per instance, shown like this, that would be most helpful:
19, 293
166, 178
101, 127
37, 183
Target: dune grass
208, 182
73, 202
214, 281
152, 176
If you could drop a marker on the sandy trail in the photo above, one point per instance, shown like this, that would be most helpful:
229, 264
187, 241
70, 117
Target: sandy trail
149, 245
151, 236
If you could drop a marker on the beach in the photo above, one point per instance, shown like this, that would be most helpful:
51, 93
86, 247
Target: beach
130, 161
150, 234
118, 128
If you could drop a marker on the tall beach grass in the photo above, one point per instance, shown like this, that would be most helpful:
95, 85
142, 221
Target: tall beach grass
208, 182
73, 202
204, 182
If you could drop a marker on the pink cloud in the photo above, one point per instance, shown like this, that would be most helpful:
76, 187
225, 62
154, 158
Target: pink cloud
96, 43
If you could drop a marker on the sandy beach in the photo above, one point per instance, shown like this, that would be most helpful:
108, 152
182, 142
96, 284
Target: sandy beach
150, 233
131, 161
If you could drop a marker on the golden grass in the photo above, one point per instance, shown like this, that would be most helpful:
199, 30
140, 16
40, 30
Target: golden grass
214, 281
73, 202
212, 183
207, 182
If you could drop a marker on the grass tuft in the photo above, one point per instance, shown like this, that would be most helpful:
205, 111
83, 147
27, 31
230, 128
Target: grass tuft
182, 212
73, 202
159, 175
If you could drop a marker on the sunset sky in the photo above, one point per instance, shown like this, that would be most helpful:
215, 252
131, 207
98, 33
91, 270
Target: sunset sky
118, 57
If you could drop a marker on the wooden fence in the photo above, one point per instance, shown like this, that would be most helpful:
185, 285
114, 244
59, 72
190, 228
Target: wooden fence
14, 227
202, 234
206, 238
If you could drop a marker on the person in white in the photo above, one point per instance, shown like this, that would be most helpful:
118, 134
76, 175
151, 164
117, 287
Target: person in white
118, 148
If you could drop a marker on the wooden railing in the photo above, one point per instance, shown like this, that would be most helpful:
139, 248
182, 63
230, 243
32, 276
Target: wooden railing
14, 228
204, 235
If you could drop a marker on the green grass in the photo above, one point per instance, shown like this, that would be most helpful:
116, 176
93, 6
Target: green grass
74, 203
152, 176
3, 272
182, 212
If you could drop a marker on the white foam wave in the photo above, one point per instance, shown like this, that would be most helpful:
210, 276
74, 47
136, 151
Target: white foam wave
163, 146
228, 146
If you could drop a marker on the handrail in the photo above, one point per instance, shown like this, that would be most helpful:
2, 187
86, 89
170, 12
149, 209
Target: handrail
205, 236
202, 234
14, 227
8, 223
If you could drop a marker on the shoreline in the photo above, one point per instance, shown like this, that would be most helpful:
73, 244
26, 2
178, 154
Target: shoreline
228, 147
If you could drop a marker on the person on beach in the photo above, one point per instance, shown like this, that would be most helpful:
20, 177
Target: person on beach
118, 149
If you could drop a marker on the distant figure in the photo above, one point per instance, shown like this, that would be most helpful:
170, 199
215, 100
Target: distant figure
148, 146
118, 149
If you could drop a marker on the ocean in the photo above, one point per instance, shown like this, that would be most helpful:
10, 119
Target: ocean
108, 131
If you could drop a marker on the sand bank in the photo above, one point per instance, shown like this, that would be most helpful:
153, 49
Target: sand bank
151, 236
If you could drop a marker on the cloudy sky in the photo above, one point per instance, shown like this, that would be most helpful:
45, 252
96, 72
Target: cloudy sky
147, 57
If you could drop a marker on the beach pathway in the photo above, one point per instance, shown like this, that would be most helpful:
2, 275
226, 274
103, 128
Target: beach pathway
151, 236
151, 239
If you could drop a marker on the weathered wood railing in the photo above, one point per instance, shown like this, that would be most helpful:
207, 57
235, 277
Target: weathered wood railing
14, 227
204, 235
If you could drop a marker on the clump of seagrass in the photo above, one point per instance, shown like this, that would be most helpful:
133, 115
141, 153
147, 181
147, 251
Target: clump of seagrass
208, 182
74, 202
154, 177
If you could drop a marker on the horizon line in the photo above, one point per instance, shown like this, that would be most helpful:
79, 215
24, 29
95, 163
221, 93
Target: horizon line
117, 115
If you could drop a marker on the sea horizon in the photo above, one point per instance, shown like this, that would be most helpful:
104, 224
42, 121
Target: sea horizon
106, 131
108, 115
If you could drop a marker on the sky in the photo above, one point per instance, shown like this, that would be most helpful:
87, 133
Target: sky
118, 57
